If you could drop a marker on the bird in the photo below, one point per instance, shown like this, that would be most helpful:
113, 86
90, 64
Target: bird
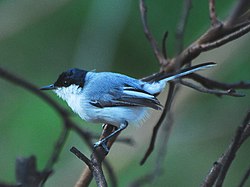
114, 98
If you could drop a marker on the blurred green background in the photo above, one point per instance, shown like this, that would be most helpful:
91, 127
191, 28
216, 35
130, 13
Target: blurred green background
40, 39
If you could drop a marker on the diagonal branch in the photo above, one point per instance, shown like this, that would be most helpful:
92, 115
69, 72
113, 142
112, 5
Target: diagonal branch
152, 41
209, 83
229, 92
245, 177
219, 170
239, 14
94, 165
86, 176
160, 121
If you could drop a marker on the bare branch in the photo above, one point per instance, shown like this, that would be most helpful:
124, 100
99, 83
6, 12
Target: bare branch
212, 13
94, 165
180, 30
152, 41
232, 36
81, 156
111, 173
205, 43
245, 177
164, 42
57, 149
212, 175
158, 169
9, 185
208, 83
229, 92
160, 121
217, 173
27, 173
240, 13
86, 176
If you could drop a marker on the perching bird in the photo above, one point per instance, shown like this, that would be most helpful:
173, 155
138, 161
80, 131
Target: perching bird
112, 98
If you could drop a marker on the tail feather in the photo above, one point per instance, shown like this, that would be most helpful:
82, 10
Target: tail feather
157, 83
186, 71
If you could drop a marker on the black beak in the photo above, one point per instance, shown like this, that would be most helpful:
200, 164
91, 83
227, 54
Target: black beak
49, 87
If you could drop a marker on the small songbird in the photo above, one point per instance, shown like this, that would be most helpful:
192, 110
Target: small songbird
113, 98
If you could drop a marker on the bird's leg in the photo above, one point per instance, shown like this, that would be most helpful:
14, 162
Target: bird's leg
103, 141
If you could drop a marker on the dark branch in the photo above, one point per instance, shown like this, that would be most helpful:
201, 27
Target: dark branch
245, 177
208, 83
230, 92
227, 38
240, 13
152, 41
111, 173
87, 176
158, 168
212, 175
159, 123
180, 30
94, 165
164, 43
212, 13
81, 156
27, 173
219, 170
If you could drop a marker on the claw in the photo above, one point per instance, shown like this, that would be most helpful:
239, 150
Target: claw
102, 143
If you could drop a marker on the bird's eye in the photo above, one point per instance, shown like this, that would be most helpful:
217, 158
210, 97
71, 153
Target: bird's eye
66, 83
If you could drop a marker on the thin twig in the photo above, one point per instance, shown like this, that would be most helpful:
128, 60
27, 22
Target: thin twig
232, 36
58, 148
30, 87
157, 52
94, 165
180, 29
86, 176
81, 156
56, 153
240, 9
212, 13
229, 92
111, 173
195, 49
230, 155
245, 177
164, 43
9, 185
209, 83
218, 174
158, 169
159, 123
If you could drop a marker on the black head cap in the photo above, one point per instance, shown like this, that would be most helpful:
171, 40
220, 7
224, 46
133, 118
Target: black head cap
72, 76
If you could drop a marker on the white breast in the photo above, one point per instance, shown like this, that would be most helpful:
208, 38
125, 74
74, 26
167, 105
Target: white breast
74, 96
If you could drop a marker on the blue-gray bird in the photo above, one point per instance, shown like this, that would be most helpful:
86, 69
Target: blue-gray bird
113, 98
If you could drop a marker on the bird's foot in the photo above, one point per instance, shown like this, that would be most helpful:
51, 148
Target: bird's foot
102, 143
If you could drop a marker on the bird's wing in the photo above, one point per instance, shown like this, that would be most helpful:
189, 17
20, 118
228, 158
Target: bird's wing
128, 96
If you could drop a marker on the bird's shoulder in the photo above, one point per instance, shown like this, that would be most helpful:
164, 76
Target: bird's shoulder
110, 79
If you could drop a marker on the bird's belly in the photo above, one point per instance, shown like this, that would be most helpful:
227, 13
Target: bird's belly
114, 115
110, 115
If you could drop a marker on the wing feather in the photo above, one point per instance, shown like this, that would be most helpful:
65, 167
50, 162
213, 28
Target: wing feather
129, 96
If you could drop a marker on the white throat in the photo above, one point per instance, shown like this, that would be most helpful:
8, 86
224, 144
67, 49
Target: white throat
72, 95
